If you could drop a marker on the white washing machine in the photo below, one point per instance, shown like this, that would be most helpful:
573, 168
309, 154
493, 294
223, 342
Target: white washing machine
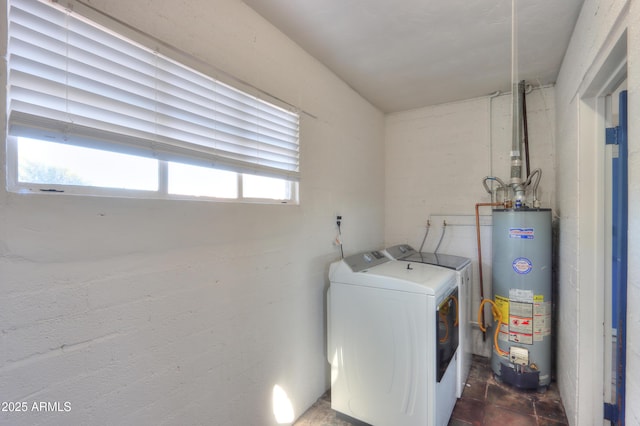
462, 267
392, 341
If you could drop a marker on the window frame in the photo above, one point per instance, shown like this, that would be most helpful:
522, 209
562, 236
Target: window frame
134, 36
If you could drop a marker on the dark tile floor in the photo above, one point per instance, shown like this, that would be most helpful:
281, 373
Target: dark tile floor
484, 402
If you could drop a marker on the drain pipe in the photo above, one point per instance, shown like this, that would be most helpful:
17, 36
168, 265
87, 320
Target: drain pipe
478, 205
502, 187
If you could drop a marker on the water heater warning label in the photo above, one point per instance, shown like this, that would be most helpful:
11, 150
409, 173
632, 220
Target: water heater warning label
521, 322
541, 319
502, 303
522, 233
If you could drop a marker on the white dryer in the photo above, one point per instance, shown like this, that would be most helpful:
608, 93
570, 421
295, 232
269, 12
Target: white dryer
392, 341
462, 268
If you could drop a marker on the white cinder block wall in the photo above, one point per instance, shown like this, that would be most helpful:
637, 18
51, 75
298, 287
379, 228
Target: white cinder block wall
436, 158
600, 25
154, 312
166, 312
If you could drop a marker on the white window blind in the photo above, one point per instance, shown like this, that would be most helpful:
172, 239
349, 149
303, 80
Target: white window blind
74, 82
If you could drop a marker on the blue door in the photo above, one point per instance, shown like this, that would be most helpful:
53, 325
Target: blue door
618, 136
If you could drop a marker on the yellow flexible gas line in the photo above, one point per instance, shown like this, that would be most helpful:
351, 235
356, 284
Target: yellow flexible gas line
497, 315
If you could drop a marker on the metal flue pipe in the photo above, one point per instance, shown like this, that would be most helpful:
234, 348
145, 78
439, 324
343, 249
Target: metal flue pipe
516, 155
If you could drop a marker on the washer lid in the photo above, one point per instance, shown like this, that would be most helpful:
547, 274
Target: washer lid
406, 252
445, 260
396, 275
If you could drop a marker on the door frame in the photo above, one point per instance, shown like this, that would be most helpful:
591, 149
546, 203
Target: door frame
606, 74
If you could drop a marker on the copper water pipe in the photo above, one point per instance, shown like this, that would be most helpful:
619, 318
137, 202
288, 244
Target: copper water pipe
478, 205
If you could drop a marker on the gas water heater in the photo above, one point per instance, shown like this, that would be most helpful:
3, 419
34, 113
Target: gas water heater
521, 242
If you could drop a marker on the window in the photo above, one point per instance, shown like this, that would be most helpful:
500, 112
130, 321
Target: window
91, 112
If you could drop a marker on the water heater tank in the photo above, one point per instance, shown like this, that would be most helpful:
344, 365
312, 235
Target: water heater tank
521, 243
